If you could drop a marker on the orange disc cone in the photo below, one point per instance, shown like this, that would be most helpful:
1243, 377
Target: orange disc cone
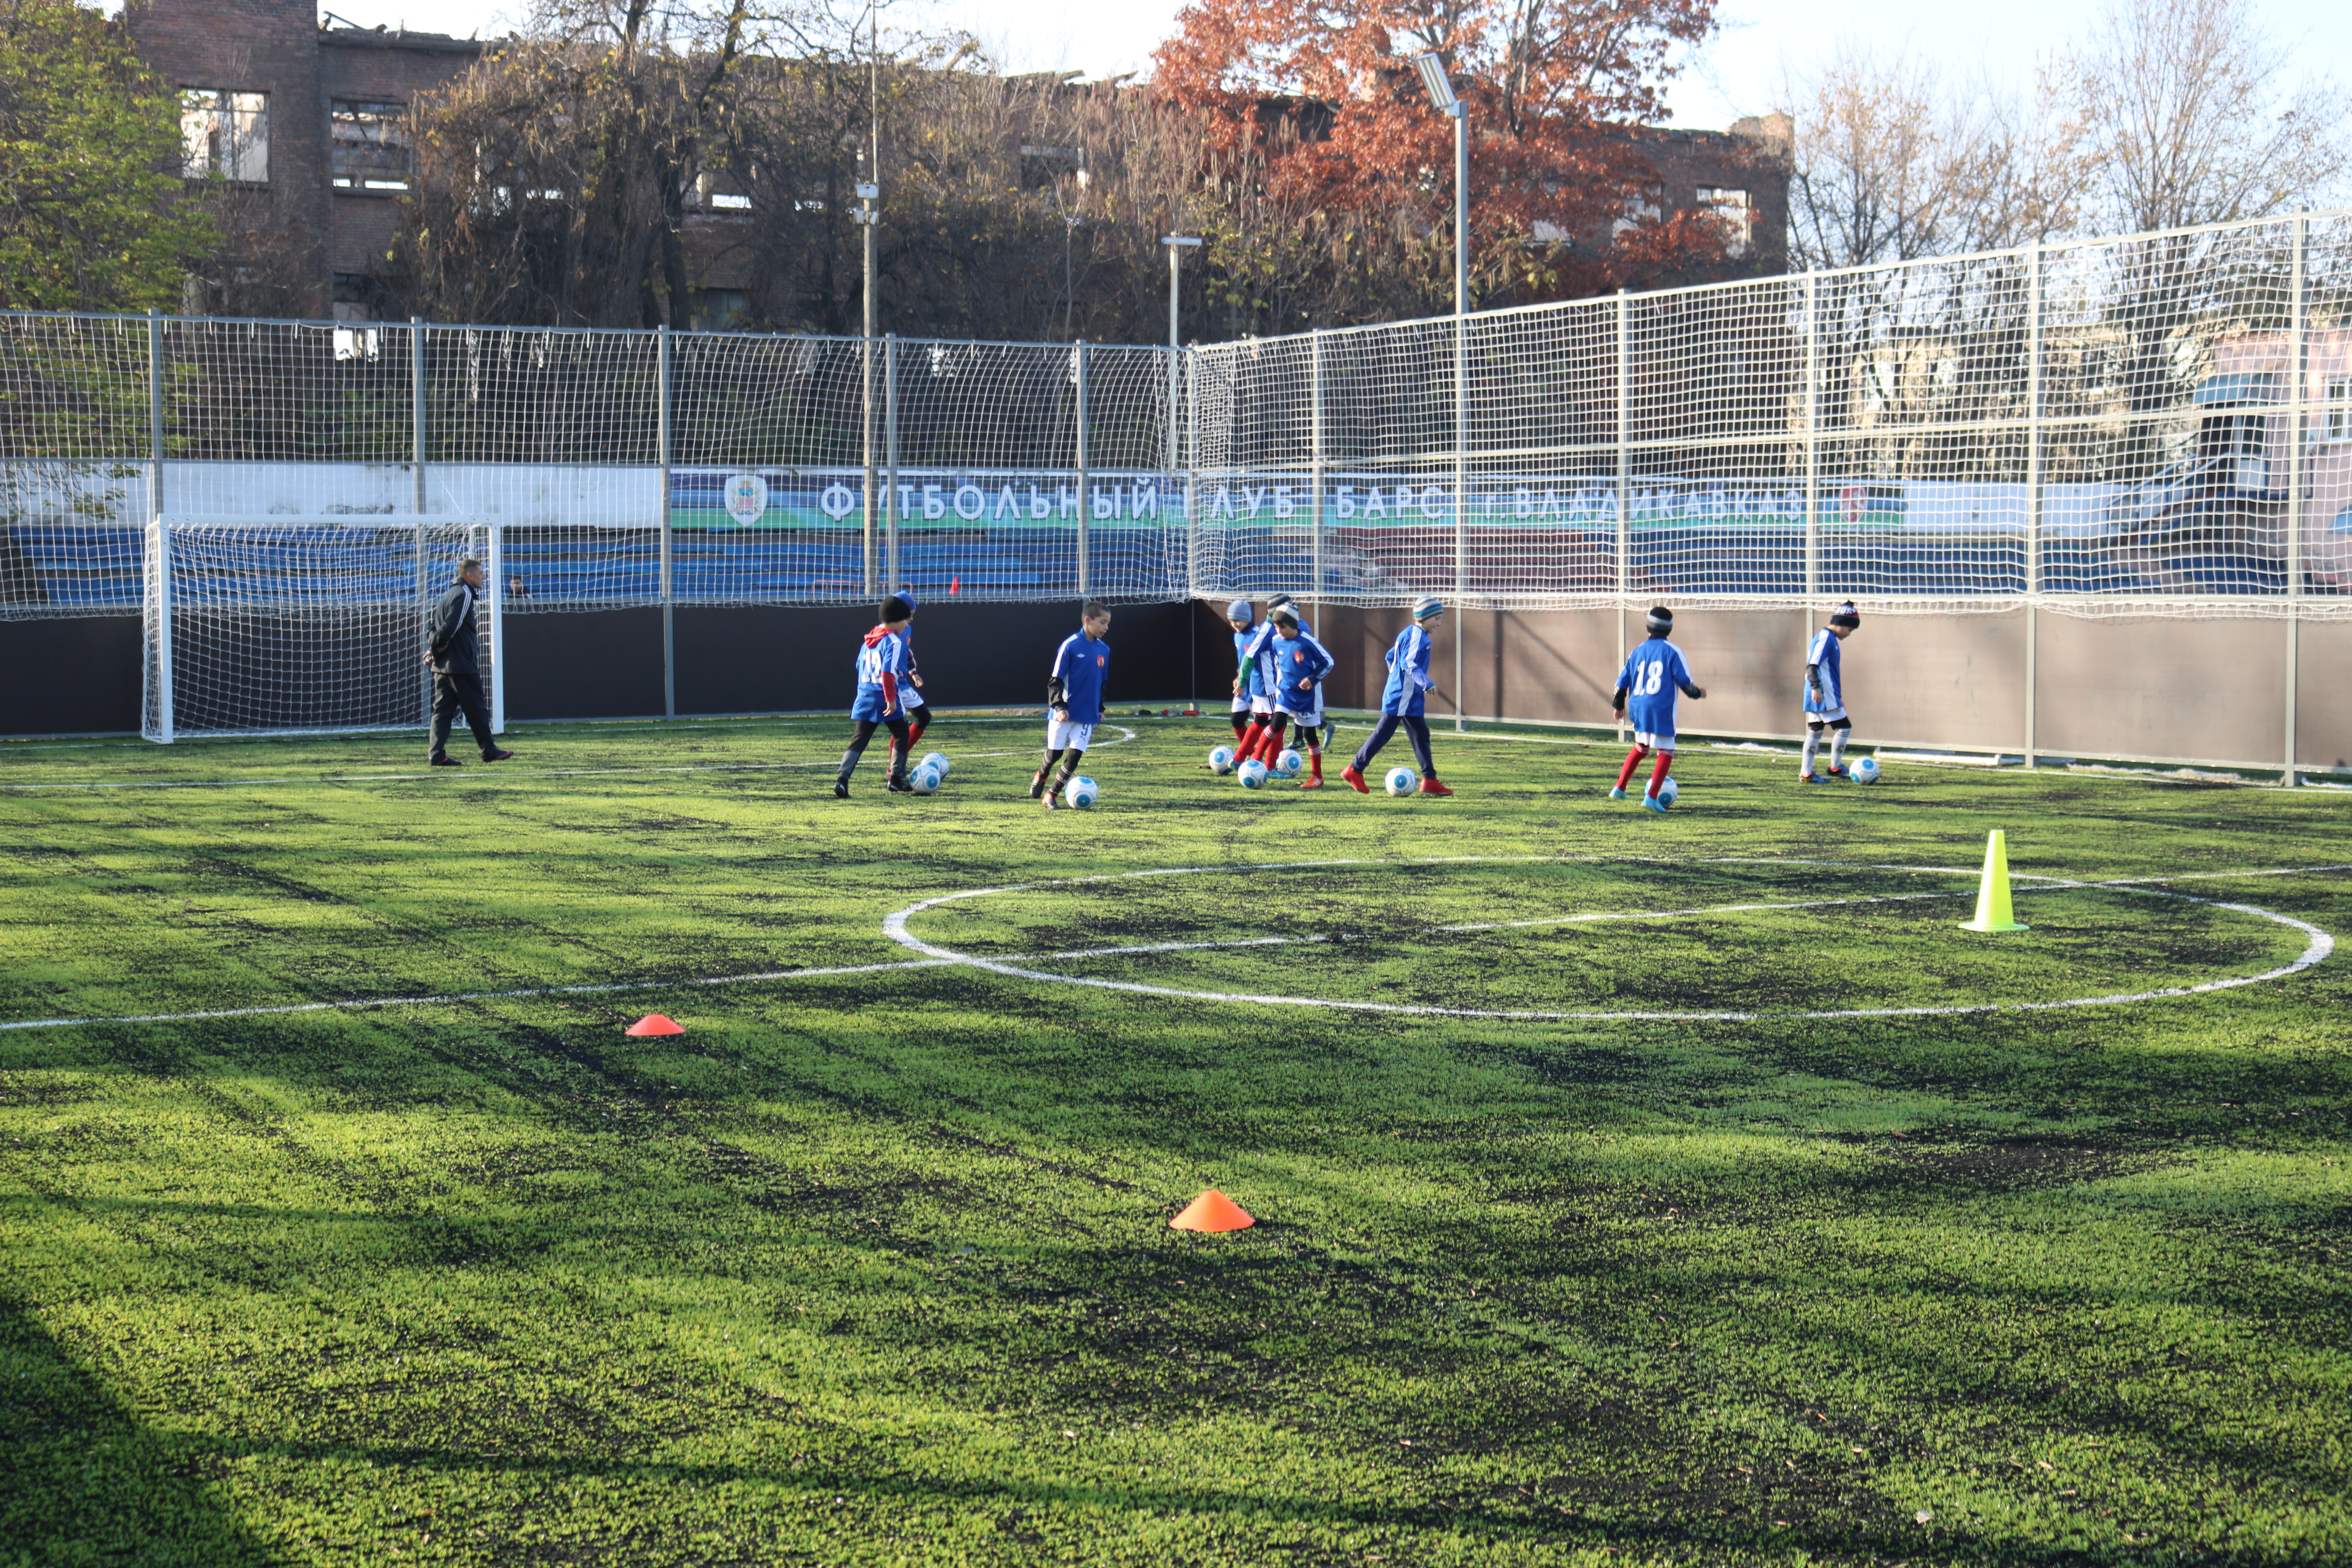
1212, 1211
656, 1024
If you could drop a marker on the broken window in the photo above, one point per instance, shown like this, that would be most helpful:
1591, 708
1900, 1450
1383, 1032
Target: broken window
371, 145
224, 133
1729, 207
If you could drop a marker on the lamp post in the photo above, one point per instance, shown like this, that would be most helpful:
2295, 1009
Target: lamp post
1440, 93
1177, 244
867, 216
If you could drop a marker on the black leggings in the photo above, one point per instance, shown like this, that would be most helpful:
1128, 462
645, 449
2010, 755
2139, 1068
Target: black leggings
1415, 727
866, 728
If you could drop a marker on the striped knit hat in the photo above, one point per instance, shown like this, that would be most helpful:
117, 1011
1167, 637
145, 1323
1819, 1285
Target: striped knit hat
1661, 621
1845, 614
1428, 607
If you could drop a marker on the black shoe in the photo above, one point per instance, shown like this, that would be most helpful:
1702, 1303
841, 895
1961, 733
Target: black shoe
900, 786
445, 763
1037, 784
841, 789
1053, 800
498, 756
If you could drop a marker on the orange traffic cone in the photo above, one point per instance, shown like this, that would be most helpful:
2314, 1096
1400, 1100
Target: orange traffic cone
1212, 1211
656, 1024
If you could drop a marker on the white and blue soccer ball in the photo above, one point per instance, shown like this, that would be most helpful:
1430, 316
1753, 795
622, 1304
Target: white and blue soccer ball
1287, 764
1669, 791
1253, 775
1221, 760
937, 761
1865, 771
1402, 781
925, 778
1082, 793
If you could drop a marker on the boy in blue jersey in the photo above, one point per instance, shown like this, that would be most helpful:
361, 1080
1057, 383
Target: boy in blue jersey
1300, 663
1073, 696
1242, 619
1652, 675
883, 667
1264, 742
1825, 696
1401, 702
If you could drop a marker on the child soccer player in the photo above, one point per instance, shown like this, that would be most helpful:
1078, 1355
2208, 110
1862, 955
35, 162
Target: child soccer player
1242, 619
1401, 702
1266, 742
1074, 699
1300, 663
883, 667
1652, 675
1825, 696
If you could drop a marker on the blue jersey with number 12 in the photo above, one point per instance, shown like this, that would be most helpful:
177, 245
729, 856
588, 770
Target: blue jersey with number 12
1653, 675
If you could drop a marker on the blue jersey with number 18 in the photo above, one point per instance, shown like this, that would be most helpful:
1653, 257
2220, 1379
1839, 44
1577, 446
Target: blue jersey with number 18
1653, 675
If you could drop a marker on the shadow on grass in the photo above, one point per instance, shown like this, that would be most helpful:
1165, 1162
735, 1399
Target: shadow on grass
86, 1481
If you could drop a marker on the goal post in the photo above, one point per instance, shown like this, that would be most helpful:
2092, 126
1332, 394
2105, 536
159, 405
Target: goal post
278, 624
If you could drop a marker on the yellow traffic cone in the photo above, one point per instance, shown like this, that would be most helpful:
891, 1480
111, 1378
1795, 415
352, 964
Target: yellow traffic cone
1992, 892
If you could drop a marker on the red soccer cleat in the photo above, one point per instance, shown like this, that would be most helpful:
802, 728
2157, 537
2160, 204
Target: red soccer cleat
1431, 786
1310, 784
1354, 780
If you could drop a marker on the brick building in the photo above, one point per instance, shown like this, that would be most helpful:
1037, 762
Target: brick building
305, 124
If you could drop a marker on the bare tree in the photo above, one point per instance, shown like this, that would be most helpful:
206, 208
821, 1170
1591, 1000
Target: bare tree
2194, 117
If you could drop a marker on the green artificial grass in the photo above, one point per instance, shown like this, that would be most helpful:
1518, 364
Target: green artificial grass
875, 1267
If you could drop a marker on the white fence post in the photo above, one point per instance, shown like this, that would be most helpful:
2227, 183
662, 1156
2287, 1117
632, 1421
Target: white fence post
159, 545
668, 552
1086, 502
2036, 307
890, 452
1317, 471
497, 572
1624, 473
1461, 504
2298, 382
416, 466
1812, 443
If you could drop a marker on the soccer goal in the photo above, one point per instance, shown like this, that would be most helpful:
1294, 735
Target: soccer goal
261, 625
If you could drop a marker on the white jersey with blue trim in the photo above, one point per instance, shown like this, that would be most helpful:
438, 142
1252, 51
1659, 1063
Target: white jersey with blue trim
1821, 662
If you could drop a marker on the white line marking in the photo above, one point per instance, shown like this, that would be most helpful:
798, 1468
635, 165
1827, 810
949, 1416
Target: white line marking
2316, 951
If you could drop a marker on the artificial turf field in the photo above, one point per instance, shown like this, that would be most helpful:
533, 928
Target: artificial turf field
875, 1267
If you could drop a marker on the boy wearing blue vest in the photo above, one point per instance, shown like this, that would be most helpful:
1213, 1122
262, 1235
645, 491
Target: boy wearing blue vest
1265, 742
1247, 698
1074, 694
883, 667
1402, 700
1825, 696
1300, 663
1653, 673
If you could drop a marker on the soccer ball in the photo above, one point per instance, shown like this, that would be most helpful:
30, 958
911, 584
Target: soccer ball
925, 778
1402, 781
1669, 791
1221, 760
1082, 791
1287, 764
1865, 770
937, 760
1253, 775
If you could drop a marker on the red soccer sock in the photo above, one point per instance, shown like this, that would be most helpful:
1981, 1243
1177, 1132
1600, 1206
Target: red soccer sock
1315, 761
1632, 759
1241, 730
1658, 773
1272, 748
1256, 741
914, 733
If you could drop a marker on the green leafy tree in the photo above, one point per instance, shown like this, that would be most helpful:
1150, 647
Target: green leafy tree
90, 215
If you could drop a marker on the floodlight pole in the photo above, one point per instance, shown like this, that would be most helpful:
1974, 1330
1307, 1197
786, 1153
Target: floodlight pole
867, 216
1177, 244
1440, 86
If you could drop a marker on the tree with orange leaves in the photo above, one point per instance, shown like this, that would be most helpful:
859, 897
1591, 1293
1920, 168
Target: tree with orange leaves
1558, 181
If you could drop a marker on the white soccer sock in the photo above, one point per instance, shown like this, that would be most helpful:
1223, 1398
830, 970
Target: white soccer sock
1837, 747
1813, 748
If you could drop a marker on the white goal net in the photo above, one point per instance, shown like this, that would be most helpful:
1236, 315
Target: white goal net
278, 624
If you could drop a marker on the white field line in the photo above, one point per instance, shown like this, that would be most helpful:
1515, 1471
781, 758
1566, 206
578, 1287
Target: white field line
2320, 945
1124, 734
893, 925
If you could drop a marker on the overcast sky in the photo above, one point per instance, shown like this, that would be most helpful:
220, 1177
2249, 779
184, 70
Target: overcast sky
1737, 73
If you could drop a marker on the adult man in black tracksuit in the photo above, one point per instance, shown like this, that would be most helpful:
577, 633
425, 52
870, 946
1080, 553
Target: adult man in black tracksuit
456, 675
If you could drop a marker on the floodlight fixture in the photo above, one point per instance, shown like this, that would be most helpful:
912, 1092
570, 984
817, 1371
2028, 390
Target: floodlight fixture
1441, 85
